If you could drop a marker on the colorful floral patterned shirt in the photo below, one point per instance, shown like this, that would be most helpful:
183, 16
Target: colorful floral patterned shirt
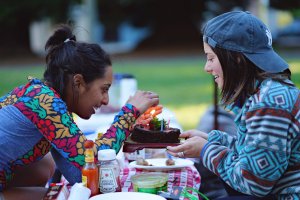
264, 156
34, 120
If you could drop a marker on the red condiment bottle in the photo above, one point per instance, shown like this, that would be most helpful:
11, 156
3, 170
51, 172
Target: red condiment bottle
90, 172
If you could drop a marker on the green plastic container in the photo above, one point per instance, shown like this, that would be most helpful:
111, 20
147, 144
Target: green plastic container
151, 182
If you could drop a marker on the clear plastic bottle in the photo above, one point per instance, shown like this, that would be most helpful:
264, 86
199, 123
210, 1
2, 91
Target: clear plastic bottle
109, 171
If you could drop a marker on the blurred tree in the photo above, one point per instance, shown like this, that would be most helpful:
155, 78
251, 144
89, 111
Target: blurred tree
15, 17
112, 13
285, 5
217, 7
291, 5
171, 20
174, 22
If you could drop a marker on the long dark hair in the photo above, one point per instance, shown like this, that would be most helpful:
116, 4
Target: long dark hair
65, 56
241, 76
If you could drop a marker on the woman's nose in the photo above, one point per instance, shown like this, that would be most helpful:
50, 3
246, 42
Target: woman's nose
207, 68
105, 100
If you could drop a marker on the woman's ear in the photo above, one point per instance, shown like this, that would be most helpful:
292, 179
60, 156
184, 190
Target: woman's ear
241, 59
78, 81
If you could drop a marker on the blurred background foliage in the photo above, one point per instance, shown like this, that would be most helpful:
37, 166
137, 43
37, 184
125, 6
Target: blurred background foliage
15, 17
174, 24
163, 16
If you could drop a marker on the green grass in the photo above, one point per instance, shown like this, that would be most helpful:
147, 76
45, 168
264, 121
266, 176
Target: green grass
182, 84
178, 83
12, 77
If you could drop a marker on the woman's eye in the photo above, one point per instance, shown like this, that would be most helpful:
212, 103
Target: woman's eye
104, 90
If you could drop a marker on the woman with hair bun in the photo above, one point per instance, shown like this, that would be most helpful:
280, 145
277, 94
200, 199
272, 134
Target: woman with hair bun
36, 118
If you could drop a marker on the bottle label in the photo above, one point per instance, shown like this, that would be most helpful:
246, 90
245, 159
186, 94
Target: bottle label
107, 182
89, 155
84, 181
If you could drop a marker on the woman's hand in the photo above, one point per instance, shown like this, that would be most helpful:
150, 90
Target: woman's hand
143, 100
192, 133
191, 148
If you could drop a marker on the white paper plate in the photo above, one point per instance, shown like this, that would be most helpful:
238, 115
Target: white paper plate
159, 164
127, 195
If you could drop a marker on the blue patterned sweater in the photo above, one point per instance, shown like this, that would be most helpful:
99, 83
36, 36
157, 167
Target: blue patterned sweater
264, 156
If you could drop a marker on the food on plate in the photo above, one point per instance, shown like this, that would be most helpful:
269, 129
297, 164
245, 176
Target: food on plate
157, 132
142, 161
170, 162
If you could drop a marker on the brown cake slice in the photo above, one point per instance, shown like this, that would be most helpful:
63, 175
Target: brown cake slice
143, 135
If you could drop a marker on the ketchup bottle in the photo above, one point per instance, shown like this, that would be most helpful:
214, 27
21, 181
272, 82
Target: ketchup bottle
90, 172
109, 171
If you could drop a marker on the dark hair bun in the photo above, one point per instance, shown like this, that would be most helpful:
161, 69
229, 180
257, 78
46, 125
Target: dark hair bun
62, 33
65, 56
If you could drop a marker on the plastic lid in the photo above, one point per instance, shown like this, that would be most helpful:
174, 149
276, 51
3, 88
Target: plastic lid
106, 154
150, 180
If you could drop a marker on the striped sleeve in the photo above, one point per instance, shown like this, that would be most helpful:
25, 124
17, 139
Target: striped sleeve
222, 138
262, 157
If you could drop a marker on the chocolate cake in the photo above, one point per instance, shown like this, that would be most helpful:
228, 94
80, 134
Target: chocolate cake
143, 135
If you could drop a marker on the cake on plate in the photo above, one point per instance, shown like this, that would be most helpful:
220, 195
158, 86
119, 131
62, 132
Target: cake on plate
157, 132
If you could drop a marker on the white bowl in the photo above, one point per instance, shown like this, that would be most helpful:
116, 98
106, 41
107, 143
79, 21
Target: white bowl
127, 195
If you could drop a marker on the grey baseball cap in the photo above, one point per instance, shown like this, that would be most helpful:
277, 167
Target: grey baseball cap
243, 32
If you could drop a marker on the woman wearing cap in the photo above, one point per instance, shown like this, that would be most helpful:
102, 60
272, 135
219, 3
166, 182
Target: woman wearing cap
263, 159
37, 117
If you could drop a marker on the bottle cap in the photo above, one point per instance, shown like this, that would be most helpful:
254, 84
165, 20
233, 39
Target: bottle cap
106, 154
